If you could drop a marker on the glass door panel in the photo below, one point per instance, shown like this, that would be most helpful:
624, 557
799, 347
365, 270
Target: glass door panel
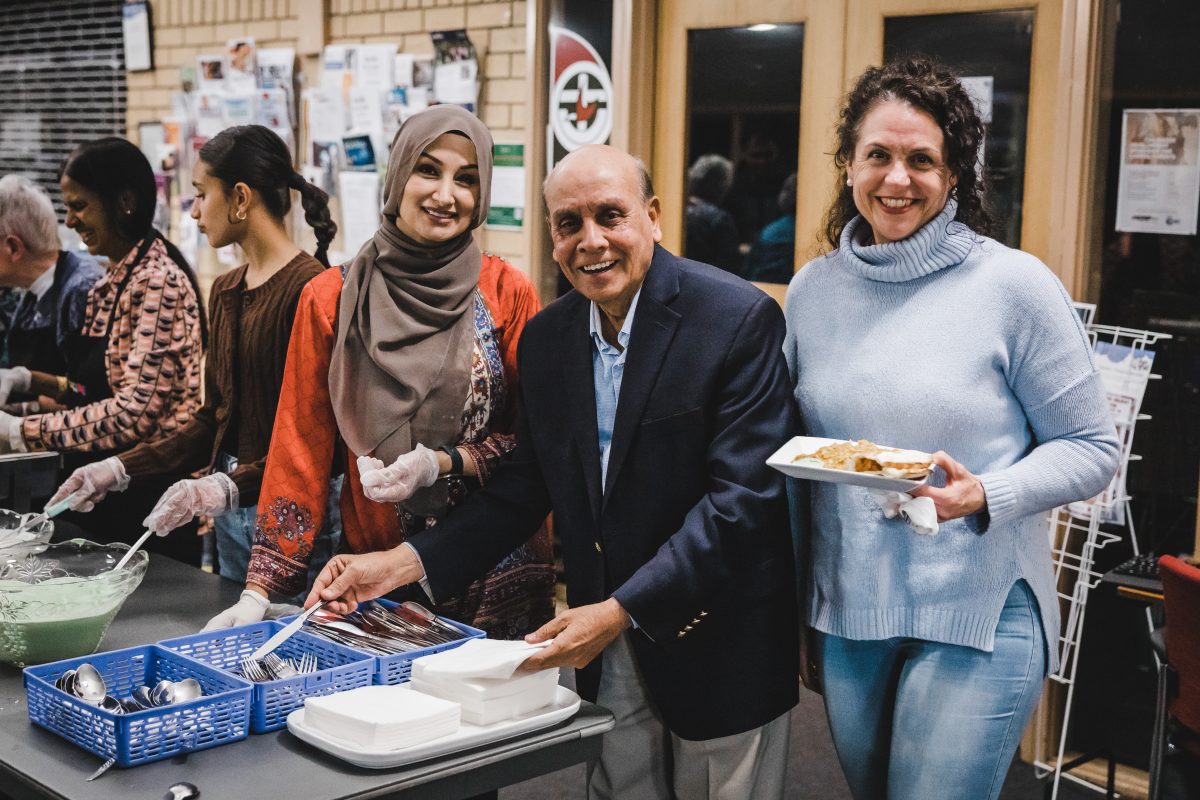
992, 51
743, 131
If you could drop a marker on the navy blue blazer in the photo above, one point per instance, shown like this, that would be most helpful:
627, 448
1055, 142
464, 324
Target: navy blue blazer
690, 533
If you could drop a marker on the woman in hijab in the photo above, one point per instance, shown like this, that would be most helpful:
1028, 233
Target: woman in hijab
401, 372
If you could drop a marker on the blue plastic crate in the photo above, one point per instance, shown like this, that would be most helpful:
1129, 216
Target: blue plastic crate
398, 668
338, 668
221, 716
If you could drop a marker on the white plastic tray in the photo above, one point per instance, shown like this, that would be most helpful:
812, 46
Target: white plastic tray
783, 461
565, 704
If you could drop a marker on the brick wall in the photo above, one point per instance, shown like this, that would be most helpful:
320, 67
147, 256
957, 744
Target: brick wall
184, 29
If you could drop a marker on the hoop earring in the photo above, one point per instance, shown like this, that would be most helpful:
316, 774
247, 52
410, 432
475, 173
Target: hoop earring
241, 215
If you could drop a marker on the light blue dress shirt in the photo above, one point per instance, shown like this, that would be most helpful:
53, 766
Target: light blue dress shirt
608, 369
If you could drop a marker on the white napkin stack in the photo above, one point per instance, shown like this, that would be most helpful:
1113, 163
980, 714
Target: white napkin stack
479, 676
919, 512
382, 717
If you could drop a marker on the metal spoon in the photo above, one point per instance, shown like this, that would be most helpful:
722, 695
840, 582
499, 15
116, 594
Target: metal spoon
141, 696
110, 703
66, 682
185, 690
163, 693
88, 685
182, 791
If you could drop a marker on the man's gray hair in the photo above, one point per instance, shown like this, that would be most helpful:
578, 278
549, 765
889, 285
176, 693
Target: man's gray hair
26, 211
710, 177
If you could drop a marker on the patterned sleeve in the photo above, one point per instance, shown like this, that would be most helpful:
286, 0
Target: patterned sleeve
162, 330
295, 484
512, 300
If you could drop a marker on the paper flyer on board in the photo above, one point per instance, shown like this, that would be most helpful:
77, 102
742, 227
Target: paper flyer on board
1158, 189
1125, 371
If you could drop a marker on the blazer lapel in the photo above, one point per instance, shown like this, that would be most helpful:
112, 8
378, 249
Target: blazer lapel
654, 325
581, 398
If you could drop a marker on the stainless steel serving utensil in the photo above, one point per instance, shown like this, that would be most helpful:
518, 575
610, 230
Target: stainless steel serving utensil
163, 693
88, 685
66, 682
186, 690
110, 703
103, 768
49, 513
182, 791
287, 632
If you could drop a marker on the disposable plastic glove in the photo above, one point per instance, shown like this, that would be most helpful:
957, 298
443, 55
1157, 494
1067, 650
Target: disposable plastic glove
13, 380
251, 607
91, 482
11, 440
396, 483
187, 499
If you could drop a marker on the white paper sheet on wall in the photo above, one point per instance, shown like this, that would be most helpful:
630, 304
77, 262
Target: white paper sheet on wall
358, 193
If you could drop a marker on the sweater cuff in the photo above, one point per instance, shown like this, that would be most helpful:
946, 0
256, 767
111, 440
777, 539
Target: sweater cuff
1000, 498
275, 572
31, 430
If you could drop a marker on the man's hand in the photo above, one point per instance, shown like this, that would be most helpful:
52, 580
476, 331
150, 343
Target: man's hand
962, 495
348, 580
580, 634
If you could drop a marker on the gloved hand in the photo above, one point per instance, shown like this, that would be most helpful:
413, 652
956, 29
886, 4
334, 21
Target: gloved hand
91, 482
11, 440
13, 380
187, 499
250, 607
396, 483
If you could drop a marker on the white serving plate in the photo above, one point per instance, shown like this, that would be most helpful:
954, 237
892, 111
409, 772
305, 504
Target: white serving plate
782, 461
564, 706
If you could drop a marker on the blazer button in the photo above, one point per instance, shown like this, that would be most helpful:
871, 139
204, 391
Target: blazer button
598, 550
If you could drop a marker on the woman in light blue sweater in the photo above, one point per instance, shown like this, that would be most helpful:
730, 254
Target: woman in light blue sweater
919, 332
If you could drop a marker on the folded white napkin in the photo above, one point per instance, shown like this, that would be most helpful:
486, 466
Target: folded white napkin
483, 707
478, 658
919, 512
388, 717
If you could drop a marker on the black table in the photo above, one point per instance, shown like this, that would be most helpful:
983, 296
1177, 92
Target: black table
175, 600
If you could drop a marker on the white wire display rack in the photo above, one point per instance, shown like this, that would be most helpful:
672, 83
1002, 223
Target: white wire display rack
1074, 540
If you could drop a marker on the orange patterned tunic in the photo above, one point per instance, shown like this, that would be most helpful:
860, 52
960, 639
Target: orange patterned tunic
517, 596
153, 357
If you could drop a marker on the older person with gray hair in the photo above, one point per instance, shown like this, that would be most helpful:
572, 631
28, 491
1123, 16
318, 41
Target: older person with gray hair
56, 284
712, 235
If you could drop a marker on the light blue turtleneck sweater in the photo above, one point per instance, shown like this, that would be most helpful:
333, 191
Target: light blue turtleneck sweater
950, 341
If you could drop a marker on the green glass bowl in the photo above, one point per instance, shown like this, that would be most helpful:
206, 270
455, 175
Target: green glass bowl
57, 601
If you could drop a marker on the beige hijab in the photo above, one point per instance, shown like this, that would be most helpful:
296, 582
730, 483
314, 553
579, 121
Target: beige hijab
400, 369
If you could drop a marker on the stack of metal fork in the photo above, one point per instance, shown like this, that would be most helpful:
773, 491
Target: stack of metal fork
384, 631
273, 668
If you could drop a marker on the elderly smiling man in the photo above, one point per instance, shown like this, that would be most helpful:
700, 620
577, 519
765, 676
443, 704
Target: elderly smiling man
653, 394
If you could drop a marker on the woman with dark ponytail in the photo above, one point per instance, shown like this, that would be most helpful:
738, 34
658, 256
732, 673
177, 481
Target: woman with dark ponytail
133, 370
243, 183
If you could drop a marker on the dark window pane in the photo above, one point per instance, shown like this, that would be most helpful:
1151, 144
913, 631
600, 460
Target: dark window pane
998, 44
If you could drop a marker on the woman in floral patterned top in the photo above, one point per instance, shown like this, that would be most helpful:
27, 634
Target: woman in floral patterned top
133, 372
406, 356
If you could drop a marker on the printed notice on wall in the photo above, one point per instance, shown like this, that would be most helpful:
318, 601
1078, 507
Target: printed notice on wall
1159, 186
507, 208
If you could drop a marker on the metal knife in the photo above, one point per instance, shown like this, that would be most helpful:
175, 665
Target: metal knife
286, 633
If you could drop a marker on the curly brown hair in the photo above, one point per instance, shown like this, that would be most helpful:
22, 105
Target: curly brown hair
929, 86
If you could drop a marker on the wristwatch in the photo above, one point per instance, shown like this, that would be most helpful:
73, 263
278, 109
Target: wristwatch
456, 461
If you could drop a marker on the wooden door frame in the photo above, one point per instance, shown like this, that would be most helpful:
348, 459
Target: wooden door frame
821, 79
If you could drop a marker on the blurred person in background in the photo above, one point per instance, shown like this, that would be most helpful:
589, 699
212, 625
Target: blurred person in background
243, 182
55, 284
133, 371
773, 256
712, 236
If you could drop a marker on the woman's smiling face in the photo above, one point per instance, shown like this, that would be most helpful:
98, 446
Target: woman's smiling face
899, 176
87, 216
442, 192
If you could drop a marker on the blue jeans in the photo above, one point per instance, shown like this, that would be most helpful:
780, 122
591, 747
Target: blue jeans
235, 536
918, 720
